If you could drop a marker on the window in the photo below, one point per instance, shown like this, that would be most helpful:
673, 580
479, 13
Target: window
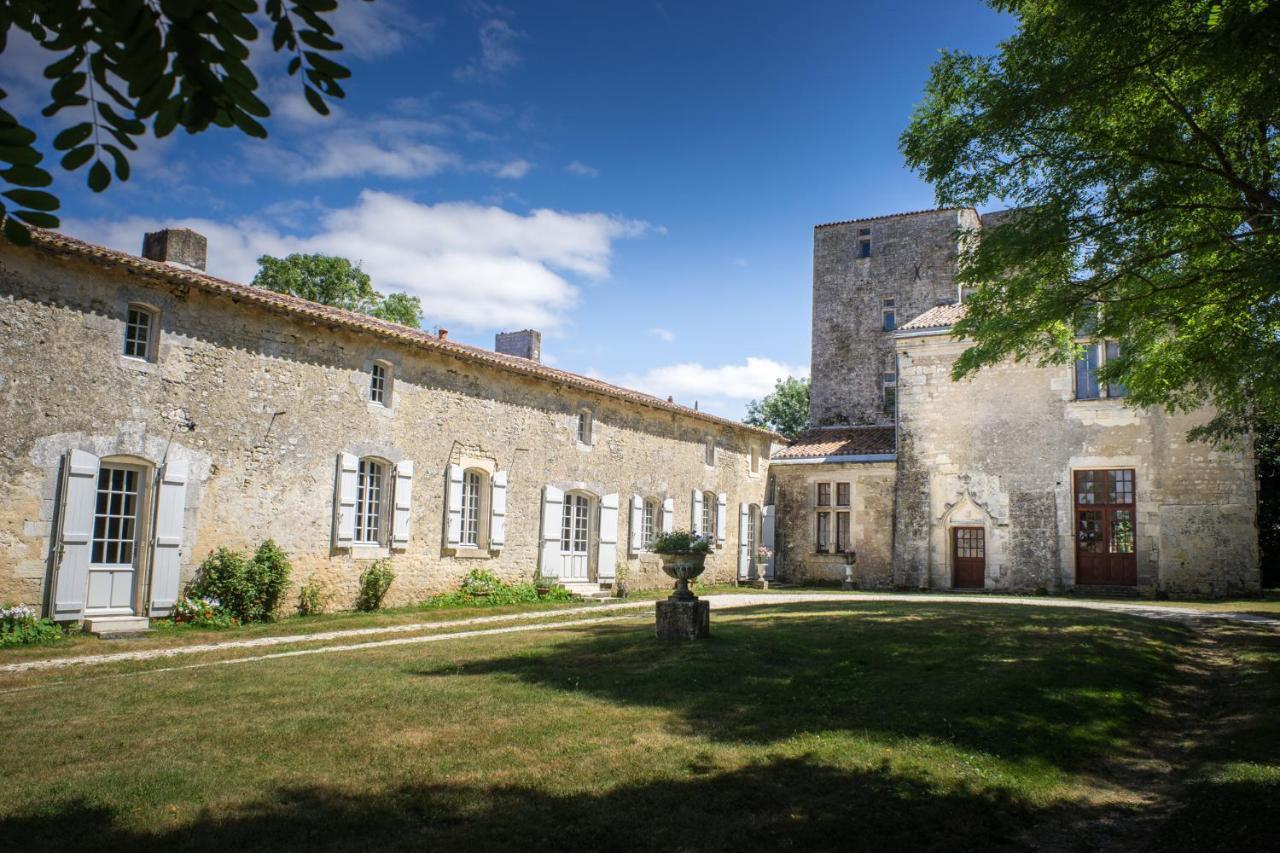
755, 459
370, 479
115, 517
709, 453
709, 504
138, 332
864, 242
753, 530
842, 533
584, 426
1088, 387
824, 494
889, 383
889, 315
1115, 389
472, 482
378, 383
842, 494
573, 527
824, 532
651, 523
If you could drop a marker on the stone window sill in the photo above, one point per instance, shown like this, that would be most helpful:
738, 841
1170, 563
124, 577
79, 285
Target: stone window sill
369, 552
469, 552
141, 365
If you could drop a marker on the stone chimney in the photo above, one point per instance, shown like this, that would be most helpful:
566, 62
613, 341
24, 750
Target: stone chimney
176, 246
526, 343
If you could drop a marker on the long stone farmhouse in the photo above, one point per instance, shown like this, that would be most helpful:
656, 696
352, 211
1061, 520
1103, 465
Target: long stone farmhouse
153, 412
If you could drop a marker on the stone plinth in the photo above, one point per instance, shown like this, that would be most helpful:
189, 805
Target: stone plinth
684, 620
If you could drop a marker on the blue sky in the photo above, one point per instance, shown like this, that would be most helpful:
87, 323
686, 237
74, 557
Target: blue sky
638, 180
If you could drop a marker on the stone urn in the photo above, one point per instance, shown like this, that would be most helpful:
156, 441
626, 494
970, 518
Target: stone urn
684, 568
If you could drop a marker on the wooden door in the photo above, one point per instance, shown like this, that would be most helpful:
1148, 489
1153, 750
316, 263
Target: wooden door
969, 557
1105, 528
113, 562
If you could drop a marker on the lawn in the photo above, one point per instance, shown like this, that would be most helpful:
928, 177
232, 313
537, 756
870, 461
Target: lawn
876, 725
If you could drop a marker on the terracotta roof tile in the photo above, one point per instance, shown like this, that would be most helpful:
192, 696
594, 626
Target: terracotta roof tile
940, 317
840, 441
891, 216
56, 243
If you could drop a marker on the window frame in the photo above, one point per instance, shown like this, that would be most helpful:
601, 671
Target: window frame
709, 452
585, 427
843, 532
381, 378
864, 243
889, 392
847, 488
1101, 351
889, 314
474, 532
650, 522
150, 344
822, 531
575, 520
710, 512
366, 468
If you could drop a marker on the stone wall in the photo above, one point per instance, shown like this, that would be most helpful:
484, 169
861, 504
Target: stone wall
998, 451
913, 261
260, 404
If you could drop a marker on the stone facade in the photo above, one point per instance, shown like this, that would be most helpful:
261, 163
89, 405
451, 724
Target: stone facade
258, 402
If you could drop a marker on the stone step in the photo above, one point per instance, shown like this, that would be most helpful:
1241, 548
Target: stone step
587, 589
1101, 591
117, 627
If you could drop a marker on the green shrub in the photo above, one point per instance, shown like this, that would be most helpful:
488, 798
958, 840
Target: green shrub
680, 542
482, 588
203, 613
314, 598
19, 626
248, 588
374, 583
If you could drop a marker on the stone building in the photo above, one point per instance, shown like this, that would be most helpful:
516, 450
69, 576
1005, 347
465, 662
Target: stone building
1021, 478
152, 412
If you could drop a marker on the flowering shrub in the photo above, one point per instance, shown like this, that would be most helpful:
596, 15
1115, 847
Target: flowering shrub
763, 554
203, 612
681, 542
481, 588
19, 626
374, 583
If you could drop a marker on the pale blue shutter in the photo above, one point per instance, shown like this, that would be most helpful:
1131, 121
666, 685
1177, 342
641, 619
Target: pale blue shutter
637, 523
166, 565
722, 505
552, 517
344, 505
744, 544
668, 514
607, 552
75, 533
767, 518
403, 517
695, 525
453, 501
498, 511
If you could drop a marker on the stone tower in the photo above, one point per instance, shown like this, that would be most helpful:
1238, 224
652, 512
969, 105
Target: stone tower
869, 276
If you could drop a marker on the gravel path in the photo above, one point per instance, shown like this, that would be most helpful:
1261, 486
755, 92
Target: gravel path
614, 611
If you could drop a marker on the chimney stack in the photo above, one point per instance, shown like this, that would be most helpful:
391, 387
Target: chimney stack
443, 334
180, 246
526, 343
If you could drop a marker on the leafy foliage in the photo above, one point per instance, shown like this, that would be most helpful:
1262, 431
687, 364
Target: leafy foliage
374, 583
482, 588
19, 626
335, 281
248, 588
203, 612
785, 411
314, 598
680, 542
1139, 143
128, 66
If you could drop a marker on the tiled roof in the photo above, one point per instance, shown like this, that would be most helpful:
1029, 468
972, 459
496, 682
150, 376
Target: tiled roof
891, 216
840, 441
941, 317
61, 244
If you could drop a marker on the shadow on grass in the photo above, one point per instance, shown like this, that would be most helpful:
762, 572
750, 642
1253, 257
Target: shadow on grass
791, 804
1053, 688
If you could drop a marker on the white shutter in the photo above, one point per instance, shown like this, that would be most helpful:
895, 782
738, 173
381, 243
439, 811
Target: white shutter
607, 552
453, 501
498, 511
403, 497
767, 517
166, 563
637, 523
552, 517
75, 533
344, 509
744, 547
722, 504
696, 503
668, 513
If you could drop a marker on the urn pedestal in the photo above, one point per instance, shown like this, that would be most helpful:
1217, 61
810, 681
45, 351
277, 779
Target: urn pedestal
683, 620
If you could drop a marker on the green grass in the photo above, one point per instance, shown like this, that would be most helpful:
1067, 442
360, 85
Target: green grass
875, 726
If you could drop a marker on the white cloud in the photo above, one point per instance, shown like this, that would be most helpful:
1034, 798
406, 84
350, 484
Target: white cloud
577, 167
691, 381
472, 266
514, 169
498, 52
663, 334
374, 30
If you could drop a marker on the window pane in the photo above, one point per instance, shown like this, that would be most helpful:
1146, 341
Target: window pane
1121, 541
1089, 530
1087, 375
824, 523
842, 532
1120, 487
890, 320
1088, 487
824, 494
842, 494
471, 482
1115, 389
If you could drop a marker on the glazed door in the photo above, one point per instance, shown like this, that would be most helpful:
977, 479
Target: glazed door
573, 540
1105, 528
969, 557
113, 560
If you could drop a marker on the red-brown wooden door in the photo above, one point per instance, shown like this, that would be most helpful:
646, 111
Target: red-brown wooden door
1105, 528
968, 557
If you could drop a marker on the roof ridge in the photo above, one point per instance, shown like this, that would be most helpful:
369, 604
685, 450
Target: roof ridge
895, 215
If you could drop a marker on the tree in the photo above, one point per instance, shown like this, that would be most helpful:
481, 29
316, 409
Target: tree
1139, 144
785, 411
335, 281
139, 66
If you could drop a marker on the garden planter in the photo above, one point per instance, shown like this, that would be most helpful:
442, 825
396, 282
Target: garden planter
684, 568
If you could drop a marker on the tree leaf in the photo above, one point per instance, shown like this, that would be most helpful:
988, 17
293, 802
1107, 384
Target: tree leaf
26, 176
77, 157
317, 103
73, 136
99, 176
34, 199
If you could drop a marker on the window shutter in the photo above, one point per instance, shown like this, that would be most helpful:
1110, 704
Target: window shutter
403, 505
668, 514
75, 533
744, 547
607, 553
453, 501
166, 565
637, 523
498, 511
722, 504
767, 518
696, 502
344, 510
552, 516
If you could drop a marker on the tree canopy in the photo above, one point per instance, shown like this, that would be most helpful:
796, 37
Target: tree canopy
124, 68
1138, 142
785, 411
335, 281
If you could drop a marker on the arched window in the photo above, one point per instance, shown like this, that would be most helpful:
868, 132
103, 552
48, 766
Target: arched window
371, 502
709, 504
475, 488
652, 521
574, 525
